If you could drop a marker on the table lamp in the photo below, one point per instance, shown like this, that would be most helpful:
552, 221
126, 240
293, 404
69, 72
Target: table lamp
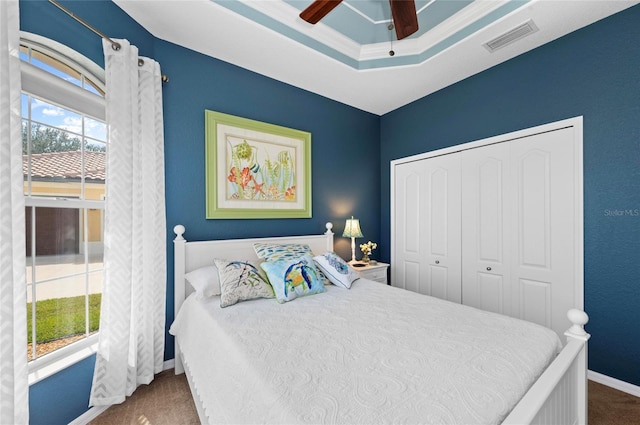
352, 230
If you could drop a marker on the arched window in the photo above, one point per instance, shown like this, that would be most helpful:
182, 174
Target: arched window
64, 166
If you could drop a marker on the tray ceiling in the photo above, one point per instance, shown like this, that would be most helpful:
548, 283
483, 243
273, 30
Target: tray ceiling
346, 56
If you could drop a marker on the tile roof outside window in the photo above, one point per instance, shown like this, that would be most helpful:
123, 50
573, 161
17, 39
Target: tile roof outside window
66, 166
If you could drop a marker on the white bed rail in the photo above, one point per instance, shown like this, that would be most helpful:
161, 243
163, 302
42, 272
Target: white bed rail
559, 396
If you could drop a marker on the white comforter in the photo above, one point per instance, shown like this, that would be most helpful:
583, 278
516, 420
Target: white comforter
372, 354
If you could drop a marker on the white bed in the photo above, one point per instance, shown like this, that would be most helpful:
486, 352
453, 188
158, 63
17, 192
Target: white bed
371, 354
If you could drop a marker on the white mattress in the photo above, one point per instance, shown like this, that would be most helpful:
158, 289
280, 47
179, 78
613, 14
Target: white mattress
372, 354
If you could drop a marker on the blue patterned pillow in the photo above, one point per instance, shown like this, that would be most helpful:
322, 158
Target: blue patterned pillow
281, 251
277, 251
336, 269
293, 277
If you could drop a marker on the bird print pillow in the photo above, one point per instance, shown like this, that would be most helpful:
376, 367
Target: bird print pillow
241, 281
293, 277
278, 251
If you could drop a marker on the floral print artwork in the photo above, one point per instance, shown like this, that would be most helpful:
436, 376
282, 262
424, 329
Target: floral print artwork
260, 171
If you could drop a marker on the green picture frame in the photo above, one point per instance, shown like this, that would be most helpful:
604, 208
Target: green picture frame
255, 170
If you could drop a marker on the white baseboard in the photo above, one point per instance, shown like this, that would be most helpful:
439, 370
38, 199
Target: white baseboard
89, 415
95, 411
614, 383
168, 364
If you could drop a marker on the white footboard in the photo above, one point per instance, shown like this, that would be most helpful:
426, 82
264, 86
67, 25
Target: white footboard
194, 392
559, 396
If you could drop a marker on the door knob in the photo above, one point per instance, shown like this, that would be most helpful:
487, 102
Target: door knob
488, 269
437, 261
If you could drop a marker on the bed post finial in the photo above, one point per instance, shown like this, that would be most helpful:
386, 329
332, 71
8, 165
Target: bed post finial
178, 229
329, 226
329, 235
579, 318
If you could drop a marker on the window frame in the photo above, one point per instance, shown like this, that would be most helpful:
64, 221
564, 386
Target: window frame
44, 85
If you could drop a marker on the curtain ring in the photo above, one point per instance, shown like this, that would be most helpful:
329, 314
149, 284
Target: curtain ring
140, 62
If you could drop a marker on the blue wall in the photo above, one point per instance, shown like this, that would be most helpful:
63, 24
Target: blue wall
64, 396
593, 72
345, 155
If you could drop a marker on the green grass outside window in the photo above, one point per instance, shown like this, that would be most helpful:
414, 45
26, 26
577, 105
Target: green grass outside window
63, 317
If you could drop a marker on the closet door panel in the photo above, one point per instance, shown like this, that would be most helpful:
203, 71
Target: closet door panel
427, 227
439, 225
439, 282
535, 305
543, 231
408, 188
534, 208
490, 206
410, 214
486, 216
486, 291
411, 275
441, 233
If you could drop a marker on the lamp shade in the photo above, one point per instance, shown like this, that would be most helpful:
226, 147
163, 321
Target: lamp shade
352, 229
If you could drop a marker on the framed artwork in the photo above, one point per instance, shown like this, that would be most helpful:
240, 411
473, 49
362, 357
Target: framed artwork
255, 169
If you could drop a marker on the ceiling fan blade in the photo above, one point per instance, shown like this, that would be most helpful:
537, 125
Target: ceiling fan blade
318, 10
405, 18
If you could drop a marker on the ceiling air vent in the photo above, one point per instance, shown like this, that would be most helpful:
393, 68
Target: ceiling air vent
510, 36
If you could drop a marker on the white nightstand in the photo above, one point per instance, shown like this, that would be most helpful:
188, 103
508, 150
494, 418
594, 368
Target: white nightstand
376, 272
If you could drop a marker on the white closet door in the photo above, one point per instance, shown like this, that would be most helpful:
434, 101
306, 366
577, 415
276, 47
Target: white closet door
486, 216
427, 257
518, 228
544, 174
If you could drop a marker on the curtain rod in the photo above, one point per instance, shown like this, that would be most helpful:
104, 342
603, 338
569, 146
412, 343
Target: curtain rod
114, 44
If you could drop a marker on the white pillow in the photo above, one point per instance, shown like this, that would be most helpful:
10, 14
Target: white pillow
205, 281
336, 269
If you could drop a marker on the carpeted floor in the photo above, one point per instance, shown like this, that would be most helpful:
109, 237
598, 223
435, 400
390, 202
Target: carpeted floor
167, 401
608, 406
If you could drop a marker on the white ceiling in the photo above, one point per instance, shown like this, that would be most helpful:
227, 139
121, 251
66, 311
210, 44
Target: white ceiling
345, 56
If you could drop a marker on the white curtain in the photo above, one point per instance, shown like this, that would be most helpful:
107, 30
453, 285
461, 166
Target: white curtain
132, 318
14, 392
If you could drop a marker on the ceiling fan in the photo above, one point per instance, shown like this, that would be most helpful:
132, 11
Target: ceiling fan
405, 19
